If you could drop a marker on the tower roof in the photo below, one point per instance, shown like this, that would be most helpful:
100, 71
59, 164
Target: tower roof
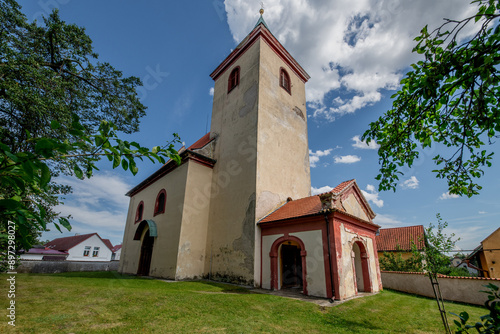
261, 21
261, 30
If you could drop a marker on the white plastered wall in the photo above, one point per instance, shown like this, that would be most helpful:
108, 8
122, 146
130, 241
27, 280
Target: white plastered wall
76, 253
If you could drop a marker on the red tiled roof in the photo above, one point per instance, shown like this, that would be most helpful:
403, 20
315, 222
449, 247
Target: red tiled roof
66, 243
338, 189
45, 251
108, 243
116, 248
297, 208
200, 142
309, 205
390, 238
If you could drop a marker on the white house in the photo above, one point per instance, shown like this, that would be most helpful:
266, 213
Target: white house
84, 247
117, 252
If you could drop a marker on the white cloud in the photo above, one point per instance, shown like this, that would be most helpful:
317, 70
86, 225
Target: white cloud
482, 212
358, 143
447, 195
211, 91
97, 205
361, 46
371, 195
346, 159
316, 191
411, 183
314, 156
387, 221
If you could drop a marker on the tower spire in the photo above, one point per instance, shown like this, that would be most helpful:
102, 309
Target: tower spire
261, 19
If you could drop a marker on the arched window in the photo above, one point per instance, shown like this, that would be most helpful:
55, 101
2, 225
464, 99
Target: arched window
285, 81
139, 212
234, 79
160, 202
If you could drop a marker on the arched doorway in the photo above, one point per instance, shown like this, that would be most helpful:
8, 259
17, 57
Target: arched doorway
360, 267
288, 264
291, 265
146, 253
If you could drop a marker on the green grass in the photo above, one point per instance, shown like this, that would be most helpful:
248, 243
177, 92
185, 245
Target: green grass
107, 302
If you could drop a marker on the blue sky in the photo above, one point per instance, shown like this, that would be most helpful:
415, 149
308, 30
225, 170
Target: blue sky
356, 52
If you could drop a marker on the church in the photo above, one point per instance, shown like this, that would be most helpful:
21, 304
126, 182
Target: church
239, 207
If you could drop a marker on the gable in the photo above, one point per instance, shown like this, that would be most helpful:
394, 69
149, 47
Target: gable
353, 206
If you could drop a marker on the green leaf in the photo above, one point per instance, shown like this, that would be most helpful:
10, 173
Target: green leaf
78, 172
45, 175
124, 164
65, 223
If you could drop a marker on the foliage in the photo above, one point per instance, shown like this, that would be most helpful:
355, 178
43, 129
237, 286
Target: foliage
434, 256
449, 98
490, 323
27, 173
61, 110
455, 271
393, 261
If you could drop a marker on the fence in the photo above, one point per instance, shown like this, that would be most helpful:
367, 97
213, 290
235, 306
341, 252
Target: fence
52, 267
459, 289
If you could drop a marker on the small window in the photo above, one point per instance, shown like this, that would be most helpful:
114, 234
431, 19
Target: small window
234, 79
95, 253
86, 251
285, 81
160, 202
138, 213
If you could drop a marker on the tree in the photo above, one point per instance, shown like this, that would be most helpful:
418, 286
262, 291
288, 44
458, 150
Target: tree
61, 110
435, 260
449, 98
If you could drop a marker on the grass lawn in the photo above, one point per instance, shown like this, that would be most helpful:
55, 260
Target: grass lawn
106, 302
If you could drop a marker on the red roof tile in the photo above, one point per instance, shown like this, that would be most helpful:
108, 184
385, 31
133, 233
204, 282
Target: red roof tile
116, 248
297, 208
390, 238
108, 243
310, 205
200, 142
344, 185
45, 251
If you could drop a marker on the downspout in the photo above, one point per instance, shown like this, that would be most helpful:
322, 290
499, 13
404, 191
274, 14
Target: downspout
329, 256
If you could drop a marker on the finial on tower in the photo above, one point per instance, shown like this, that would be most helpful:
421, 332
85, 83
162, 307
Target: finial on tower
261, 11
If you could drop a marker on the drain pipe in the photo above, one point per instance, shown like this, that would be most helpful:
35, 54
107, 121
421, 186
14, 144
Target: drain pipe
329, 256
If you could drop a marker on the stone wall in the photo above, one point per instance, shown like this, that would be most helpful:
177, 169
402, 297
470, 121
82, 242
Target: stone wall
52, 267
460, 289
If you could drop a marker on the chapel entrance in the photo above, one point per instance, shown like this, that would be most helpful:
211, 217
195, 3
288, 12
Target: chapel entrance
146, 253
360, 264
291, 266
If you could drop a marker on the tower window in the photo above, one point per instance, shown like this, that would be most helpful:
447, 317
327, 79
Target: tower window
234, 79
285, 81
160, 202
138, 213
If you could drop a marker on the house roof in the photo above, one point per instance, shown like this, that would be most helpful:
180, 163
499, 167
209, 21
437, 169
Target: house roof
116, 248
200, 143
45, 251
313, 205
294, 209
108, 243
185, 154
66, 243
400, 238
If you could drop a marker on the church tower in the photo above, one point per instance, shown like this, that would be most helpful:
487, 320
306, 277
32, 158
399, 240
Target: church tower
259, 127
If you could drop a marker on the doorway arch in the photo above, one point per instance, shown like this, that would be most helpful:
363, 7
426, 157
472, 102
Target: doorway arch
293, 273
146, 254
360, 267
